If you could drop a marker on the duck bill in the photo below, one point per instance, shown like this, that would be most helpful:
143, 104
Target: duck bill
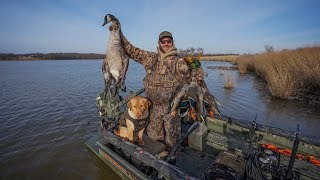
104, 23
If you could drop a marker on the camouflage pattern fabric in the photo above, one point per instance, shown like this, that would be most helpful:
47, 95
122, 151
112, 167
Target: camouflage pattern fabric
164, 76
163, 126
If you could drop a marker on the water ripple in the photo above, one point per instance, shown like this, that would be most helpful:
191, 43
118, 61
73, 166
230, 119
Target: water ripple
48, 112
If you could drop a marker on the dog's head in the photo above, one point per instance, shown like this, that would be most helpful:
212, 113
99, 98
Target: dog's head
138, 107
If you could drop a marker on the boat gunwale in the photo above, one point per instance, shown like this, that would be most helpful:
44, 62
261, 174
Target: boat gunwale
312, 141
139, 153
124, 163
95, 146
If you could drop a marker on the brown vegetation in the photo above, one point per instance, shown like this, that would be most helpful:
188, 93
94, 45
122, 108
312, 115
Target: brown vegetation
229, 82
288, 73
244, 63
219, 57
223, 67
199, 52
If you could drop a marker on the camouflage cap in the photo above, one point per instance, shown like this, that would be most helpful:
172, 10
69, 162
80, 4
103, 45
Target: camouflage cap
165, 34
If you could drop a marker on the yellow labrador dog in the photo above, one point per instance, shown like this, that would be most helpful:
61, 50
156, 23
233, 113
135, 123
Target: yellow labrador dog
136, 120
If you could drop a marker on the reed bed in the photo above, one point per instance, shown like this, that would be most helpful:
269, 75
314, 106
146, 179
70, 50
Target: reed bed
244, 63
219, 58
229, 82
288, 73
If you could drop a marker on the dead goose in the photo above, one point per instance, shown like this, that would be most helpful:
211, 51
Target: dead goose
116, 62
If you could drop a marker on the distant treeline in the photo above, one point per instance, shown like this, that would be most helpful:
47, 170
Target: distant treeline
64, 56
58, 56
219, 54
191, 51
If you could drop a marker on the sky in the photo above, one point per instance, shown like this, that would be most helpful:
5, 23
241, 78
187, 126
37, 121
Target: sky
217, 26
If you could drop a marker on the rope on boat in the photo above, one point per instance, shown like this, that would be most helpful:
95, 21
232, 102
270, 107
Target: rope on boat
288, 152
253, 170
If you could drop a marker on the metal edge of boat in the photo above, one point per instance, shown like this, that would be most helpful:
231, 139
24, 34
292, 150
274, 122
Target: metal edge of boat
235, 131
269, 135
121, 167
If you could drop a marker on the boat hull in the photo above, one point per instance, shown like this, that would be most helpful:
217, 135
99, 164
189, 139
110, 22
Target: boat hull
121, 167
223, 135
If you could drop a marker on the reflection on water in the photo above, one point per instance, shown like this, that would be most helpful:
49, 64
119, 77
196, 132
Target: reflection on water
48, 112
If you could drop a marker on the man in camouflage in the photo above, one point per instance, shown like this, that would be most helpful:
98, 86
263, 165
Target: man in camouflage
165, 73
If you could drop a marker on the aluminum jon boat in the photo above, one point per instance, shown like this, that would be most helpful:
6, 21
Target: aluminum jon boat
217, 148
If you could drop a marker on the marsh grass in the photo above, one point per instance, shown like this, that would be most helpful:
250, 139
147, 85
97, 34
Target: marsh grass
229, 82
288, 72
244, 63
280, 81
219, 58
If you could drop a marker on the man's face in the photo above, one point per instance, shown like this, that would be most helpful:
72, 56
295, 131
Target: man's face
165, 44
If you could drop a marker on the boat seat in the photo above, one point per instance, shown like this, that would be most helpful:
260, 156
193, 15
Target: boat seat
152, 146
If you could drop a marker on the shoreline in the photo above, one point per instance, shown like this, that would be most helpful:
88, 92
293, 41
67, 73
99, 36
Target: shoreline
90, 56
219, 57
49, 56
48, 59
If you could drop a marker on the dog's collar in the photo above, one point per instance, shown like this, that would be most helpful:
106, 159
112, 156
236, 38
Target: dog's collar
139, 124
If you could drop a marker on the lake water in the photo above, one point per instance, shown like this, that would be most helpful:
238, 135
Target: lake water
47, 112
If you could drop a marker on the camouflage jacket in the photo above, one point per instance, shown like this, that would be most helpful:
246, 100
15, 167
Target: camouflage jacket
182, 72
164, 72
148, 59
